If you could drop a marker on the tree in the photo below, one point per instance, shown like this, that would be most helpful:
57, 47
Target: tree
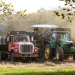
68, 0
70, 8
7, 10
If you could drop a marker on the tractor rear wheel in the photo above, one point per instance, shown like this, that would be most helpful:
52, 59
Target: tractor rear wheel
48, 52
59, 54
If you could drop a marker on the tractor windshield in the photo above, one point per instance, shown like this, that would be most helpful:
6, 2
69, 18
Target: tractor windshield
20, 39
63, 36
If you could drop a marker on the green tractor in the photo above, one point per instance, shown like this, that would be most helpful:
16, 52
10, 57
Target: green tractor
57, 43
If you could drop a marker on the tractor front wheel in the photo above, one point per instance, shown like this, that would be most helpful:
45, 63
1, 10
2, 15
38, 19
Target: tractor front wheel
59, 54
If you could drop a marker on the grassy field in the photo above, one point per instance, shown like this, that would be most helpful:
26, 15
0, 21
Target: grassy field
36, 68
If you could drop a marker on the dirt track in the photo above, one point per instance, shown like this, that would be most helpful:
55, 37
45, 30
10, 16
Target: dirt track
39, 61
21, 64
70, 60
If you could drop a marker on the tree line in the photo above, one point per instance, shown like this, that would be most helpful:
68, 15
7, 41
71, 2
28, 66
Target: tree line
42, 16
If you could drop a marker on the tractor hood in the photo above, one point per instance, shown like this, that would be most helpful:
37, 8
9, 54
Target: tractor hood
66, 42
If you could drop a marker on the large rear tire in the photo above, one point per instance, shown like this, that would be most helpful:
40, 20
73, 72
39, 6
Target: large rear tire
59, 54
48, 52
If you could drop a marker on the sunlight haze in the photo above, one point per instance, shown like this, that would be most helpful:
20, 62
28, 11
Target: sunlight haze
34, 5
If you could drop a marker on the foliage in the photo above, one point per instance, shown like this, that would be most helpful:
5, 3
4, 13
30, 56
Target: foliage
70, 8
7, 10
42, 16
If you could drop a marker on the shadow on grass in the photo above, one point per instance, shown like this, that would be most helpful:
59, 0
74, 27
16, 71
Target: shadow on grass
43, 73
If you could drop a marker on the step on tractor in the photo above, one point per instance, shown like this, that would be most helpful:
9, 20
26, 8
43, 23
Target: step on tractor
53, 41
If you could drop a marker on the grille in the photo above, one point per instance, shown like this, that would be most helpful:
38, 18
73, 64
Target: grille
26, 48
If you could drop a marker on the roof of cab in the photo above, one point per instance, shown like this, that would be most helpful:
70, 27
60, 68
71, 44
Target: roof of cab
45, 26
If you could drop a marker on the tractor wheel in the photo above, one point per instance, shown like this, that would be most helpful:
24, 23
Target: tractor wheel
12, 56
73, 57
59, 54
48, 52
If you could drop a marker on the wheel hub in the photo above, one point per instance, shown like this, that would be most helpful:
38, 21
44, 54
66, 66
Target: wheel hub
57, 55
47, 53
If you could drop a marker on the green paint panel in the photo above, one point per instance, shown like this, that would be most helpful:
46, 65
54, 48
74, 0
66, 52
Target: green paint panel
51, 43
72, 50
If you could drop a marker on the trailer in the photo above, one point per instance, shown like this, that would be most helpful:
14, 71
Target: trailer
16, 44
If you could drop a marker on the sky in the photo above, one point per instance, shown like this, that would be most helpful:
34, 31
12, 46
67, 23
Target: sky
34, 5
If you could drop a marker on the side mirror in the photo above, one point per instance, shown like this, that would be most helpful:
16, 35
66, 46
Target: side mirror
32, 38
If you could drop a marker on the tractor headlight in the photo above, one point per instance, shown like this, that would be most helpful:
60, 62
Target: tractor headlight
16, 50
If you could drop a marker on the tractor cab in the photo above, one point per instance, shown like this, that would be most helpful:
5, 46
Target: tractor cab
61, 37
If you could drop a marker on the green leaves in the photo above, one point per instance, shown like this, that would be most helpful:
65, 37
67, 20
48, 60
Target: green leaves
68, 9
57, 13
69, 19
73, 1
22, 13
7, 10
69, 14
4, 4
63, 16
71, 4
11, 5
